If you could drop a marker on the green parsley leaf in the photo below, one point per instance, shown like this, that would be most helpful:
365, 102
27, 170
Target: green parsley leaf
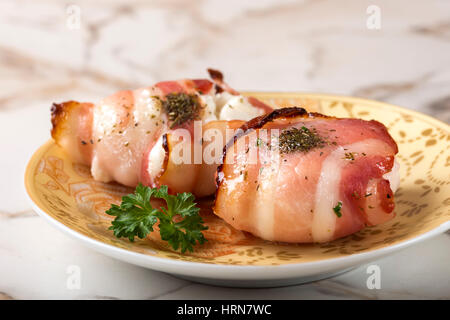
135, 217
337, 209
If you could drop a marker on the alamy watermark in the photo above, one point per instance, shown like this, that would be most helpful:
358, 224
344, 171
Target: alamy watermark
207, 147
373, 21
374, 279
73, 281
73, 19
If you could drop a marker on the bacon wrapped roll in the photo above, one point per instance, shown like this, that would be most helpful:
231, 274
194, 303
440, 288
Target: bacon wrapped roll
302, 177
127, 137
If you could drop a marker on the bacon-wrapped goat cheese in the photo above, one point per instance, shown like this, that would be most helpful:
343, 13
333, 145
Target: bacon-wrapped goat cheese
302, 177
128, 136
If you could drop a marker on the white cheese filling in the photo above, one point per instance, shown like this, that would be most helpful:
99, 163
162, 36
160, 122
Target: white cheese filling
156, 159
393, 176
220, 106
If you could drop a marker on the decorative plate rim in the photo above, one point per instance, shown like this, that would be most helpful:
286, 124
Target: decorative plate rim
292, 94
228, 271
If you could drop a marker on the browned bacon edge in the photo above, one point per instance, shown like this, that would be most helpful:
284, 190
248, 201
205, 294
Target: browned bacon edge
258, 123
59, 113
216, 75
165, 145
219, 84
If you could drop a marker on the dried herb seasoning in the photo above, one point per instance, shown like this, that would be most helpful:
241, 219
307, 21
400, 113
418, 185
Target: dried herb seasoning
181, 107
303, 140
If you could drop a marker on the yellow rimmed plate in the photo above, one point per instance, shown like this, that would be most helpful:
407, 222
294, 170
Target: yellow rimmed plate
65, 194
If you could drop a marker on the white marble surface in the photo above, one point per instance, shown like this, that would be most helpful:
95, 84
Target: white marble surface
312, 46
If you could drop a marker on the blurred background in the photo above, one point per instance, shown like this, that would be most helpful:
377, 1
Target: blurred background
53, 50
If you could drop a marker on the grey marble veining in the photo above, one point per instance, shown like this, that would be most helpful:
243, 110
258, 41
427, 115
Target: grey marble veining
309, 46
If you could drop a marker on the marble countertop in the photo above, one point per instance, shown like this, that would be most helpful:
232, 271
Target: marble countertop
50, 53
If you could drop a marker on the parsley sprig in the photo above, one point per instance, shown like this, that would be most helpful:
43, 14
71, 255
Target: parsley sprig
337, 209
136, 217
